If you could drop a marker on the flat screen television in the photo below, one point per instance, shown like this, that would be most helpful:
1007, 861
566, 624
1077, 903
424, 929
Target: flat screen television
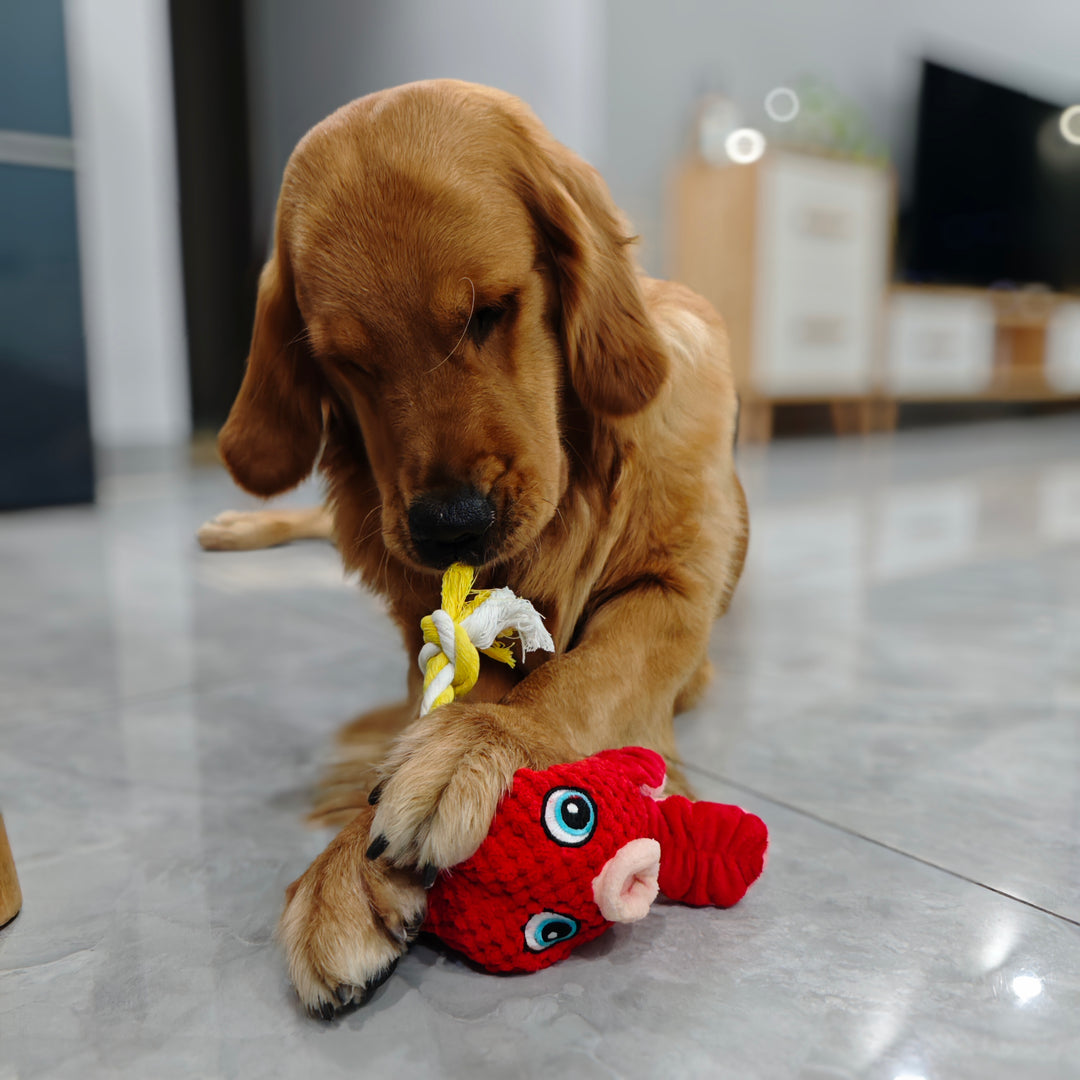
996, 195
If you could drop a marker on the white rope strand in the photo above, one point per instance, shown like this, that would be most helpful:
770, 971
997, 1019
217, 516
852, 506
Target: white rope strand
502, 614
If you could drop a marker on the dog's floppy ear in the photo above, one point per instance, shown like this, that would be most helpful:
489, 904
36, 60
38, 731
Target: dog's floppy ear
616, 360
274, 430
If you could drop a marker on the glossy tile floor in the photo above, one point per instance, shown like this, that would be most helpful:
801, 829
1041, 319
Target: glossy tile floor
899, 699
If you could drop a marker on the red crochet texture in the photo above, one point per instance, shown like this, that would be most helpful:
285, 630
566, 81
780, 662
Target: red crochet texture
525, 899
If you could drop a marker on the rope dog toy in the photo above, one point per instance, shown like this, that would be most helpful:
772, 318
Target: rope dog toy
471, 622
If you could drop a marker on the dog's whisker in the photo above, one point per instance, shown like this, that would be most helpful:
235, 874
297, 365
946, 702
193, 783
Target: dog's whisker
302, 334
557, 509
571, 448
362, 538
472, 310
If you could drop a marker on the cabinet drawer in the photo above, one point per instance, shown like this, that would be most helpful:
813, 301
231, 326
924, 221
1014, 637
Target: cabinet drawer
939, 344
1063, 349
812, 350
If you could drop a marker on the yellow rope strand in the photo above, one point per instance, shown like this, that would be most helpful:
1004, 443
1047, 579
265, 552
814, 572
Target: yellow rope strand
459, 601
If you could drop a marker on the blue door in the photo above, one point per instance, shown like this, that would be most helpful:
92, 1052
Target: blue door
45, 450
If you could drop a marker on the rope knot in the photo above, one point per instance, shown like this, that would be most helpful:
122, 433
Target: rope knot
471, 622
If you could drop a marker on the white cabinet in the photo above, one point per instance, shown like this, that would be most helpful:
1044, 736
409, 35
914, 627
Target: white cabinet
939, 344
1063, 349
823, 230
794, 252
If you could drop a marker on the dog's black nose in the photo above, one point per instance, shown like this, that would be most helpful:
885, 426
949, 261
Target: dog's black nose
450, 526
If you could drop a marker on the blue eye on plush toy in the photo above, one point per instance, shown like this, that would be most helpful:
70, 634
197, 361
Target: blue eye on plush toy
569, 816
547, 928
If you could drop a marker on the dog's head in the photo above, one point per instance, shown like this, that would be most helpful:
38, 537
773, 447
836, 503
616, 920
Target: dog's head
446, 278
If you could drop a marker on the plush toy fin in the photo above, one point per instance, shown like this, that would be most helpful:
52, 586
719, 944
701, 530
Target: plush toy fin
711, 853
644, 767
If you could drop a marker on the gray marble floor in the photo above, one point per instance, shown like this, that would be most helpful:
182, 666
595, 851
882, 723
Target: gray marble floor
899, 698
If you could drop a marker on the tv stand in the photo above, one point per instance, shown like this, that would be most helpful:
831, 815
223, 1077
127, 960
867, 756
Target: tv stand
1029, 355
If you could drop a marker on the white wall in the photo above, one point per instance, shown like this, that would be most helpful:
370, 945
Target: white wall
618, 80
661, 57
122, 116
306, 59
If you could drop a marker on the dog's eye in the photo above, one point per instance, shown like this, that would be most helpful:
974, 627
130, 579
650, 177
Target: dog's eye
346, 363
547, 928
483, 321
569, 816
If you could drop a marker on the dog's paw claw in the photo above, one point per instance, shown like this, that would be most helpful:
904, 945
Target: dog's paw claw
349, 995
347, 921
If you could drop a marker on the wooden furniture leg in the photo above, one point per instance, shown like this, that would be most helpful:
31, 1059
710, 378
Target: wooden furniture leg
10, 894
842, 414
755, 421
851, 417
884, 415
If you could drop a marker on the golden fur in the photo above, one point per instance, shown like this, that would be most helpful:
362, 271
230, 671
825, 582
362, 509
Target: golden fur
452, 299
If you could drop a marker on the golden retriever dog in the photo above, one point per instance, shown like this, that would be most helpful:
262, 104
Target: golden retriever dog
453, 330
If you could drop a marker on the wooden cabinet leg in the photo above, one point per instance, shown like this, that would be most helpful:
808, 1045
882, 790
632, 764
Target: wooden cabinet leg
886, 412
845, 417
755, 421
853, 417
10, 894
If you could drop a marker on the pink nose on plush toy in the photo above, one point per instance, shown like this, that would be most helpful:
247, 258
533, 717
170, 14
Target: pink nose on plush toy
629, 881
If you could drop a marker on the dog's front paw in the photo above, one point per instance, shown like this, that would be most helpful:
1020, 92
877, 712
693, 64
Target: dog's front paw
346, 923
442, 783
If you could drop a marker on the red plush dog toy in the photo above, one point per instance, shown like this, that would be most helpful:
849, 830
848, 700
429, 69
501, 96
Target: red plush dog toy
578, 847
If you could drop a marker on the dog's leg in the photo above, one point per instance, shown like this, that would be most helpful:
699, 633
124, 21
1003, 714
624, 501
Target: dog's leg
343, 924
695, 687
347, 921
739, 540
237, 530
337, 915
363, 745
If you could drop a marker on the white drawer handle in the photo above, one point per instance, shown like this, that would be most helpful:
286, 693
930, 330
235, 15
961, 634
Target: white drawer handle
820, 330
824, 223
937, 344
